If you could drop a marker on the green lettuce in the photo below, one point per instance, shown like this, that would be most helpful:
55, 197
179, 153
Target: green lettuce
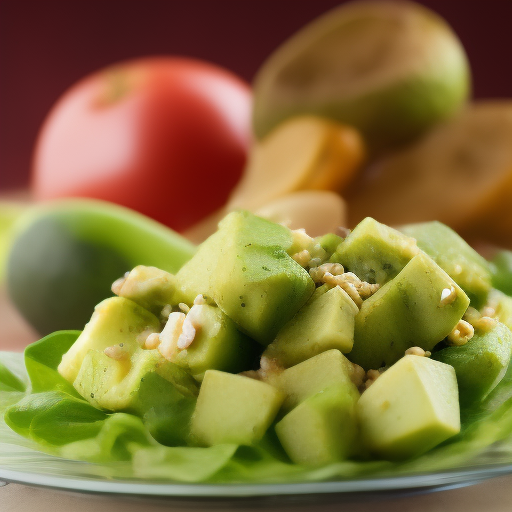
42, 359
46, 424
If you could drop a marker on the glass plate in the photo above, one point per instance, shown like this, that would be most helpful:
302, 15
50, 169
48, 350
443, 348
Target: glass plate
422, 482
23, 465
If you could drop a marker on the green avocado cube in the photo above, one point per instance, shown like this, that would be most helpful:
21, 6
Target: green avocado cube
146, 385
375, 252
325, 322
329, 243
217, 345
330, 368
196, 276
323, 428
412, 407
246, 269
149, 287
419, 307
502, 305
115, 321
481, 363
501, 267
116, 385
233, 409
455, 256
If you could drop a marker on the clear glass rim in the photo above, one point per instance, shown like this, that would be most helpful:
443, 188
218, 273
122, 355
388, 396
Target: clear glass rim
164, 489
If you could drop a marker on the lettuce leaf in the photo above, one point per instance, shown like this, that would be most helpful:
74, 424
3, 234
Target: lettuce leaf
119, 436
13, 379
181, 463
54, 418
10, 381
42, 359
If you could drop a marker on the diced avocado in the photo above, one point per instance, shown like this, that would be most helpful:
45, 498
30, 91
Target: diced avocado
502, 271
502, 304
501, 394
410, 408
327, 322
321, 290
322, 429
196, 276
246, 270
115, 321
233, 409
116, 385
419, 307
145, 384
329, 243
330, 368
481, 363
455, 256
149, 287
217, 345
375, 252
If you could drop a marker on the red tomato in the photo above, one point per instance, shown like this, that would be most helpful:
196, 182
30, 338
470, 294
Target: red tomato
167, 137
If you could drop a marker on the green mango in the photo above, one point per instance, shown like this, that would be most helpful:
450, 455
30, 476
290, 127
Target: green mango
390, 69
67, 254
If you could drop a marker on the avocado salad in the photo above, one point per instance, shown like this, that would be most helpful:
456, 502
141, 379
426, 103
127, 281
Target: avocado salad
273, 356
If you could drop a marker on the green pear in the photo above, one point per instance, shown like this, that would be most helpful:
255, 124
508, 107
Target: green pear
390, 69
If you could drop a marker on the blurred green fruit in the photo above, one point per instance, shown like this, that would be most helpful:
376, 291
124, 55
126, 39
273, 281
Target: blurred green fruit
67, 254
9, 212
390, 69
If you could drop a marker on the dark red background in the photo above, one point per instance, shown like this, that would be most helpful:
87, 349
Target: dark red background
46, 45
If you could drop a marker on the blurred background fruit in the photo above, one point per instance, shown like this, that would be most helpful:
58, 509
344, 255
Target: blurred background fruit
460, 174
157, 135
45, 47
502, 271
294, 176
10, 210
67, 254
392, 69
302, 153
317, 211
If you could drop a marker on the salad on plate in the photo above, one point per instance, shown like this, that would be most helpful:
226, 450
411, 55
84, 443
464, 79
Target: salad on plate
273, 356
